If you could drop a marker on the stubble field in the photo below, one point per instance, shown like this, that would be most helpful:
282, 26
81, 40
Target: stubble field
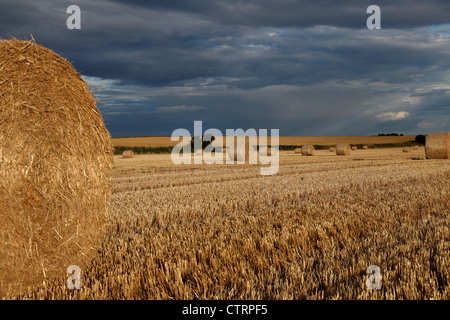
284, 140
309, 232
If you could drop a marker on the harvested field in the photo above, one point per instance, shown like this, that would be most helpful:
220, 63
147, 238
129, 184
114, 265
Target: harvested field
293, 141
309, 232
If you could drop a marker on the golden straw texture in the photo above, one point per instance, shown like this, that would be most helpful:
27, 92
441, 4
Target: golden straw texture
55, 177
437, 145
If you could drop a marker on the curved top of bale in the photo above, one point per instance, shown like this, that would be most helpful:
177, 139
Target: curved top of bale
39, 90
56, 168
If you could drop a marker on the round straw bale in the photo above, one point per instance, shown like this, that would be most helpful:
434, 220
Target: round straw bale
238, 151
128, 154
333, 149
354, 147
437, 145
416, 147
308, 150
266, 151
365, 147
298, 150
55, 177
406, 149
343, 149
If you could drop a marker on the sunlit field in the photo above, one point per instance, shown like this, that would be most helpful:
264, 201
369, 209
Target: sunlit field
308, 232
166, 141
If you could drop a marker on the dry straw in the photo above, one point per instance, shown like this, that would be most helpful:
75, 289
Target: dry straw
437, 145
406, 149
128, 154
308, 150
343, 149
298, 150
333, 149
365, 147
416, 147
354, 147
55, 177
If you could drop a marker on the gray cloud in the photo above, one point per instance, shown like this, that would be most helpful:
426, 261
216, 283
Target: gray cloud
393, 116
309, 68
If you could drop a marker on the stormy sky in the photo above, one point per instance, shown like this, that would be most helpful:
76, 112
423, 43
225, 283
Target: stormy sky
309, 68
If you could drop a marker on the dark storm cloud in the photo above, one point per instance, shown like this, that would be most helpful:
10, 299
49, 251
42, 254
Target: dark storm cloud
304, 13
306, 67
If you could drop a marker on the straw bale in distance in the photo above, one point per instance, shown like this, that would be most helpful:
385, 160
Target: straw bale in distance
416, 147
437, 145
343, 149
268, 151
238, 151
365, 147
332, 149
55, 178
128, 154
354, 147
298, 150
406, 149
308, 150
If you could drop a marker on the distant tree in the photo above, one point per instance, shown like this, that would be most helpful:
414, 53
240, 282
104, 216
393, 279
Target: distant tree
420, 139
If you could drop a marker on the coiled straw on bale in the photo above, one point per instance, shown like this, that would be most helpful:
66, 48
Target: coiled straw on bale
343, 149
55, 177
437, 145
128, 154
308, 150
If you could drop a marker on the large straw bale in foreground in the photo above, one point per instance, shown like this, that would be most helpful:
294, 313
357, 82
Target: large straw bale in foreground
55, 168
437, 145
343, 149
